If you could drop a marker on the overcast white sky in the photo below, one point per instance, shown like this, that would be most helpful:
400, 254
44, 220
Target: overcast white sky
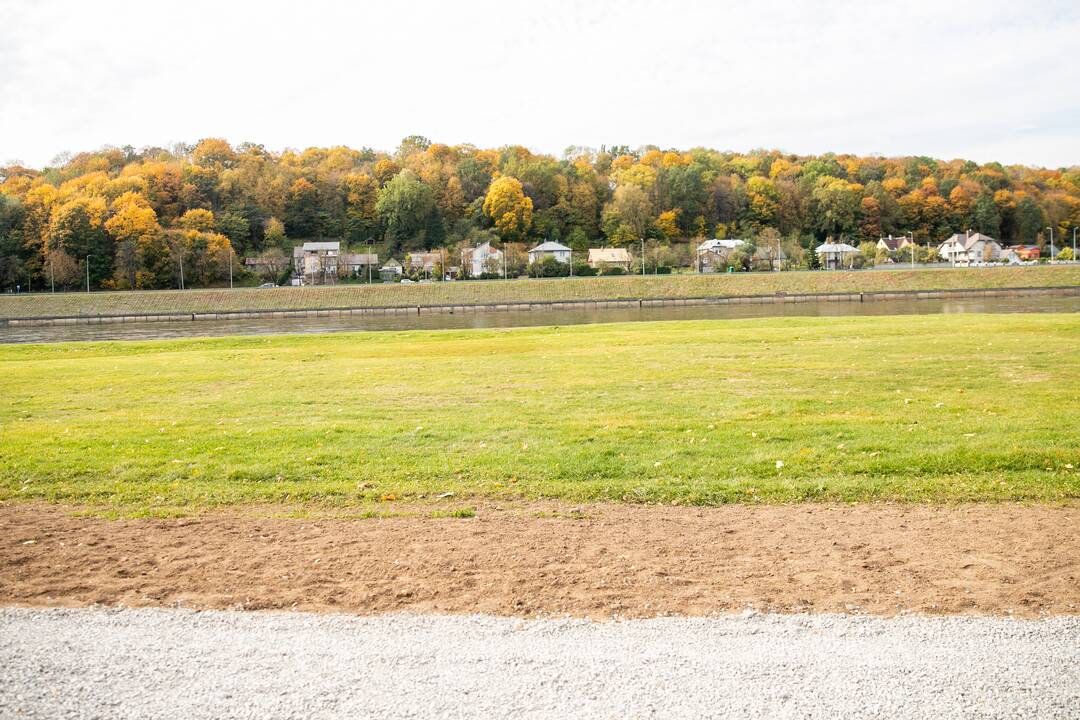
979, 79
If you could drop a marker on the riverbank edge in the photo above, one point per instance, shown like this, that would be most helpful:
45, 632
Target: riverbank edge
540, 306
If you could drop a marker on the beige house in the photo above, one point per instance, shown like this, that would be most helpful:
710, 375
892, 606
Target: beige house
317, 262
970, 248
600, 258
358, 263
891, 244
424, 261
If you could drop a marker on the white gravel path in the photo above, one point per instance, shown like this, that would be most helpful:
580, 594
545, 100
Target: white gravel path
182, 664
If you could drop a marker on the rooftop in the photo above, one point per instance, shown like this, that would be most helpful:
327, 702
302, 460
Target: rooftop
612, 255
550, 246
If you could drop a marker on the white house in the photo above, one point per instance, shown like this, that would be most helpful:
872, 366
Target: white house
482, 259
713, 254
550, 249
835, 256
967, 248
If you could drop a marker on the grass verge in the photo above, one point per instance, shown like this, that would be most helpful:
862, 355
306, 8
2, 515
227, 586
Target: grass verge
919, 408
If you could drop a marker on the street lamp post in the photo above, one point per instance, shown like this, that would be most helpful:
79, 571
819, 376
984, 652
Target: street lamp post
88, 272
1051, 243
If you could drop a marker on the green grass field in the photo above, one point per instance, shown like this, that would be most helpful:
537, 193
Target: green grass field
923, 408
564, 289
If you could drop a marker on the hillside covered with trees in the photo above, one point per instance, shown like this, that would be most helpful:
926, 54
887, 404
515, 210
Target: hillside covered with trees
137, 213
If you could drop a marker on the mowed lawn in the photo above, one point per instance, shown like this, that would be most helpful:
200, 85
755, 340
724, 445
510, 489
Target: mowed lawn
924, 408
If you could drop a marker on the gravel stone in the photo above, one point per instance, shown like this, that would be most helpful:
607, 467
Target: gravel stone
126, 663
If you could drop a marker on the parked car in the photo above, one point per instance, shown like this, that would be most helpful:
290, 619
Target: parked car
267, 285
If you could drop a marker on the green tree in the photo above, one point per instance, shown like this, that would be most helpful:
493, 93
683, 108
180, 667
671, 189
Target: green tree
404, 206
630, 208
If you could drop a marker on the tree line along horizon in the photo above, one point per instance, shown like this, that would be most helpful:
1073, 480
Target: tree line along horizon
129, 218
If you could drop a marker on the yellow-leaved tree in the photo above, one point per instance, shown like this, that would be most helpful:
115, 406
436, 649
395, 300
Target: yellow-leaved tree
507, 205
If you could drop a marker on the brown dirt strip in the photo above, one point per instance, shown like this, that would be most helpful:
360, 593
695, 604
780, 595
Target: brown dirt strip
532, 558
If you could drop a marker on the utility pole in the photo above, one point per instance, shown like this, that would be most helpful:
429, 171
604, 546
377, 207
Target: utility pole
369, 262
230, 266
1074, 246
502, 251
52, 275
642, 257
88, 272
912, 234
181, 272
1051, 243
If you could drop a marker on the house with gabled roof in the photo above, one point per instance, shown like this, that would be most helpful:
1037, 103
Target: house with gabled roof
969, 248
836, 256
317, 261
550, 249
600, 258
391, 270
714, 254
482, 259
892, 244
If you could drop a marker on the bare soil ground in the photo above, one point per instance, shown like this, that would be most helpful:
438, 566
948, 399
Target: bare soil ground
537, 558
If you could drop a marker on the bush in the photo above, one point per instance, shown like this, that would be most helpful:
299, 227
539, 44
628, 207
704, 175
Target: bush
614, 271
549, 267
583, 270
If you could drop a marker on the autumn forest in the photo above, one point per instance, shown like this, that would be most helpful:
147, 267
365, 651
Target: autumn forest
129, 217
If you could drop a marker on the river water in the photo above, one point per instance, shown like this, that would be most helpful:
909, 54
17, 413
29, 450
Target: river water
525, 318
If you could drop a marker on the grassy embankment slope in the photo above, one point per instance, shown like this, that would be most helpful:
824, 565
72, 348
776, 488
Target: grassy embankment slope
928, 408
604, 288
